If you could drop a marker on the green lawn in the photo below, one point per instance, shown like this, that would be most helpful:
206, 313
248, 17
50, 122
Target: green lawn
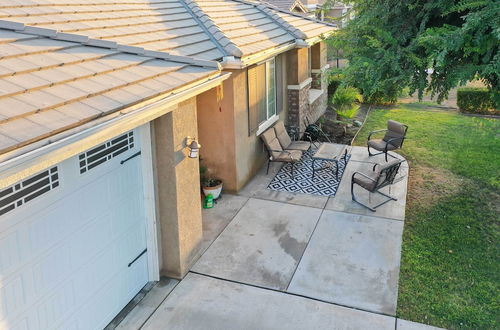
450, 267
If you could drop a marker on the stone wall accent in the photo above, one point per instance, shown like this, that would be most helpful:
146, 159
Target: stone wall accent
318, 80
318, 107
298, 105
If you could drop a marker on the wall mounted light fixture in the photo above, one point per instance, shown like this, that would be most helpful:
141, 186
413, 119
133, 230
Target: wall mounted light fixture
193, 147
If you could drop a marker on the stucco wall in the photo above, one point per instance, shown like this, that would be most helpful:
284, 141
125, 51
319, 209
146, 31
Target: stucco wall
250, 154
216, 134
228, 149
178, 190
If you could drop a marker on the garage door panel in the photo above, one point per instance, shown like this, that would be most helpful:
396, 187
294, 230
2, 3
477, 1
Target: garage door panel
93, 200
12, 253
100, 230
64, 259
49, 228
52, 268
59, 305
126, 213
136, 274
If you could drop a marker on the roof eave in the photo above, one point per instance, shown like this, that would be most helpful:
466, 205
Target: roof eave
22, 162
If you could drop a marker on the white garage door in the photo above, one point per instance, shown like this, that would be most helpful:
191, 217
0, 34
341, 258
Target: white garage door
73, 240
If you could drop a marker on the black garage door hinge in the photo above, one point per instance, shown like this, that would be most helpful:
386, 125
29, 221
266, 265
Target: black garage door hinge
140, 255
129, 158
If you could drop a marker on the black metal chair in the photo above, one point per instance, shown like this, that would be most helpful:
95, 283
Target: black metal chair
315, 133
394, 137
380, 177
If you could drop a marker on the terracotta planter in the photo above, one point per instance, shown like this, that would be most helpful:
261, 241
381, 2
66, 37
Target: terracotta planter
215, 191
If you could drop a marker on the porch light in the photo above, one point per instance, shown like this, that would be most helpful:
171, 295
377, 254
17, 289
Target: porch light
193, 147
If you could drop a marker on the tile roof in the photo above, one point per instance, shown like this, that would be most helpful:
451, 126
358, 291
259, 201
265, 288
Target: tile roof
163, 25
50, 85
288, 5
203, 29
248, 26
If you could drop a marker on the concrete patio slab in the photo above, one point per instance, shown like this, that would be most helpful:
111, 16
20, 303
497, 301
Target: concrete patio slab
257, 188
352, 260
262, 245
200, 302
217, 218
409, 325
391, 210
360, 154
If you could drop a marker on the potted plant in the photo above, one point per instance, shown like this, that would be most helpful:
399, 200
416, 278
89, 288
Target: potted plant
209, 184
212, 186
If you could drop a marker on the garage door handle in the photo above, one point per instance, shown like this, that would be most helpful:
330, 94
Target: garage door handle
127, 159
140, 255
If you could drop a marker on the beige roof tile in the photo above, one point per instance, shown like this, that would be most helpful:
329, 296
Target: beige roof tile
7, 87
7, 142
27, 80
79, 111
23, 130
62, 85
53, 120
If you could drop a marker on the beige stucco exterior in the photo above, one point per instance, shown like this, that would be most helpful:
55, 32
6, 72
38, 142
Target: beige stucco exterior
178, 190
228, 150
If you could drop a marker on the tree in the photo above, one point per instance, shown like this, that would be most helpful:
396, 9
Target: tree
391, 44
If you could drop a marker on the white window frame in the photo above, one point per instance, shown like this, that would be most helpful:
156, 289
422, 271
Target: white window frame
273, 118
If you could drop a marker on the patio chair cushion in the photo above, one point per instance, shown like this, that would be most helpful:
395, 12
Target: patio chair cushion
299, 145
380, 145
394, 130
282, 135
290, 156
272, 143
365, 182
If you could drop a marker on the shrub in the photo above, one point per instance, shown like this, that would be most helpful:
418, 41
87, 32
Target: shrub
335, 78
380, 98
475, 100
345, 97
350, 112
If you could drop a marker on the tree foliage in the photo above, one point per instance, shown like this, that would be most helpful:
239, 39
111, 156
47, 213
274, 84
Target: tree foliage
391, 44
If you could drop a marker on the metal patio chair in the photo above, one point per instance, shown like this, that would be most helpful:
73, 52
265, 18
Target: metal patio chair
276, 152
380, 177
393, 139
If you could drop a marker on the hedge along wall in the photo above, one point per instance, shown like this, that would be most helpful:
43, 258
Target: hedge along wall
476, 100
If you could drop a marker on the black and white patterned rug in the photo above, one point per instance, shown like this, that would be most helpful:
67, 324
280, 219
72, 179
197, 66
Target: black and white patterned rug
324, 183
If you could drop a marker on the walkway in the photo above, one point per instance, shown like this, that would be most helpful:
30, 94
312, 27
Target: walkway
278, 260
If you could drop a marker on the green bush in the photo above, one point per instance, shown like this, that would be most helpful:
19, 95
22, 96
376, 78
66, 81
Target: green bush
380, 98
475, 100
335, 78
345, 97
350, 112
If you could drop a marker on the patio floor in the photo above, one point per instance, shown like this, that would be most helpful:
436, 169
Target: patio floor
278, 260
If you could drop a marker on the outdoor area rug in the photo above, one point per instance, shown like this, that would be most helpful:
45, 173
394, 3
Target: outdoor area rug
324, 184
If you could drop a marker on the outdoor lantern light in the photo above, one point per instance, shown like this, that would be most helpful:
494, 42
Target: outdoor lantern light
193, 146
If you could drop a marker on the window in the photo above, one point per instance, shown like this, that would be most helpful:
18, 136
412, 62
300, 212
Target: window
261, 96
106, 151
23, 192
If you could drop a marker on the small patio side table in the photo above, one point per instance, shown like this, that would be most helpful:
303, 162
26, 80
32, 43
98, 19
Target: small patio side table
329, 152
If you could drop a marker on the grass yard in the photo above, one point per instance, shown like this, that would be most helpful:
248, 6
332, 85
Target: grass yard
450, 268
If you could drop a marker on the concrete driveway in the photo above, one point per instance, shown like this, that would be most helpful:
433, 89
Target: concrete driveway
277, 260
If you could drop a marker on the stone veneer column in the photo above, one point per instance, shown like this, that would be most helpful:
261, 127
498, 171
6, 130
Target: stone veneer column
299, 83
298, 104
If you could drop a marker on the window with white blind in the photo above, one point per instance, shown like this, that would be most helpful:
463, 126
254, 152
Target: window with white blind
262, 96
